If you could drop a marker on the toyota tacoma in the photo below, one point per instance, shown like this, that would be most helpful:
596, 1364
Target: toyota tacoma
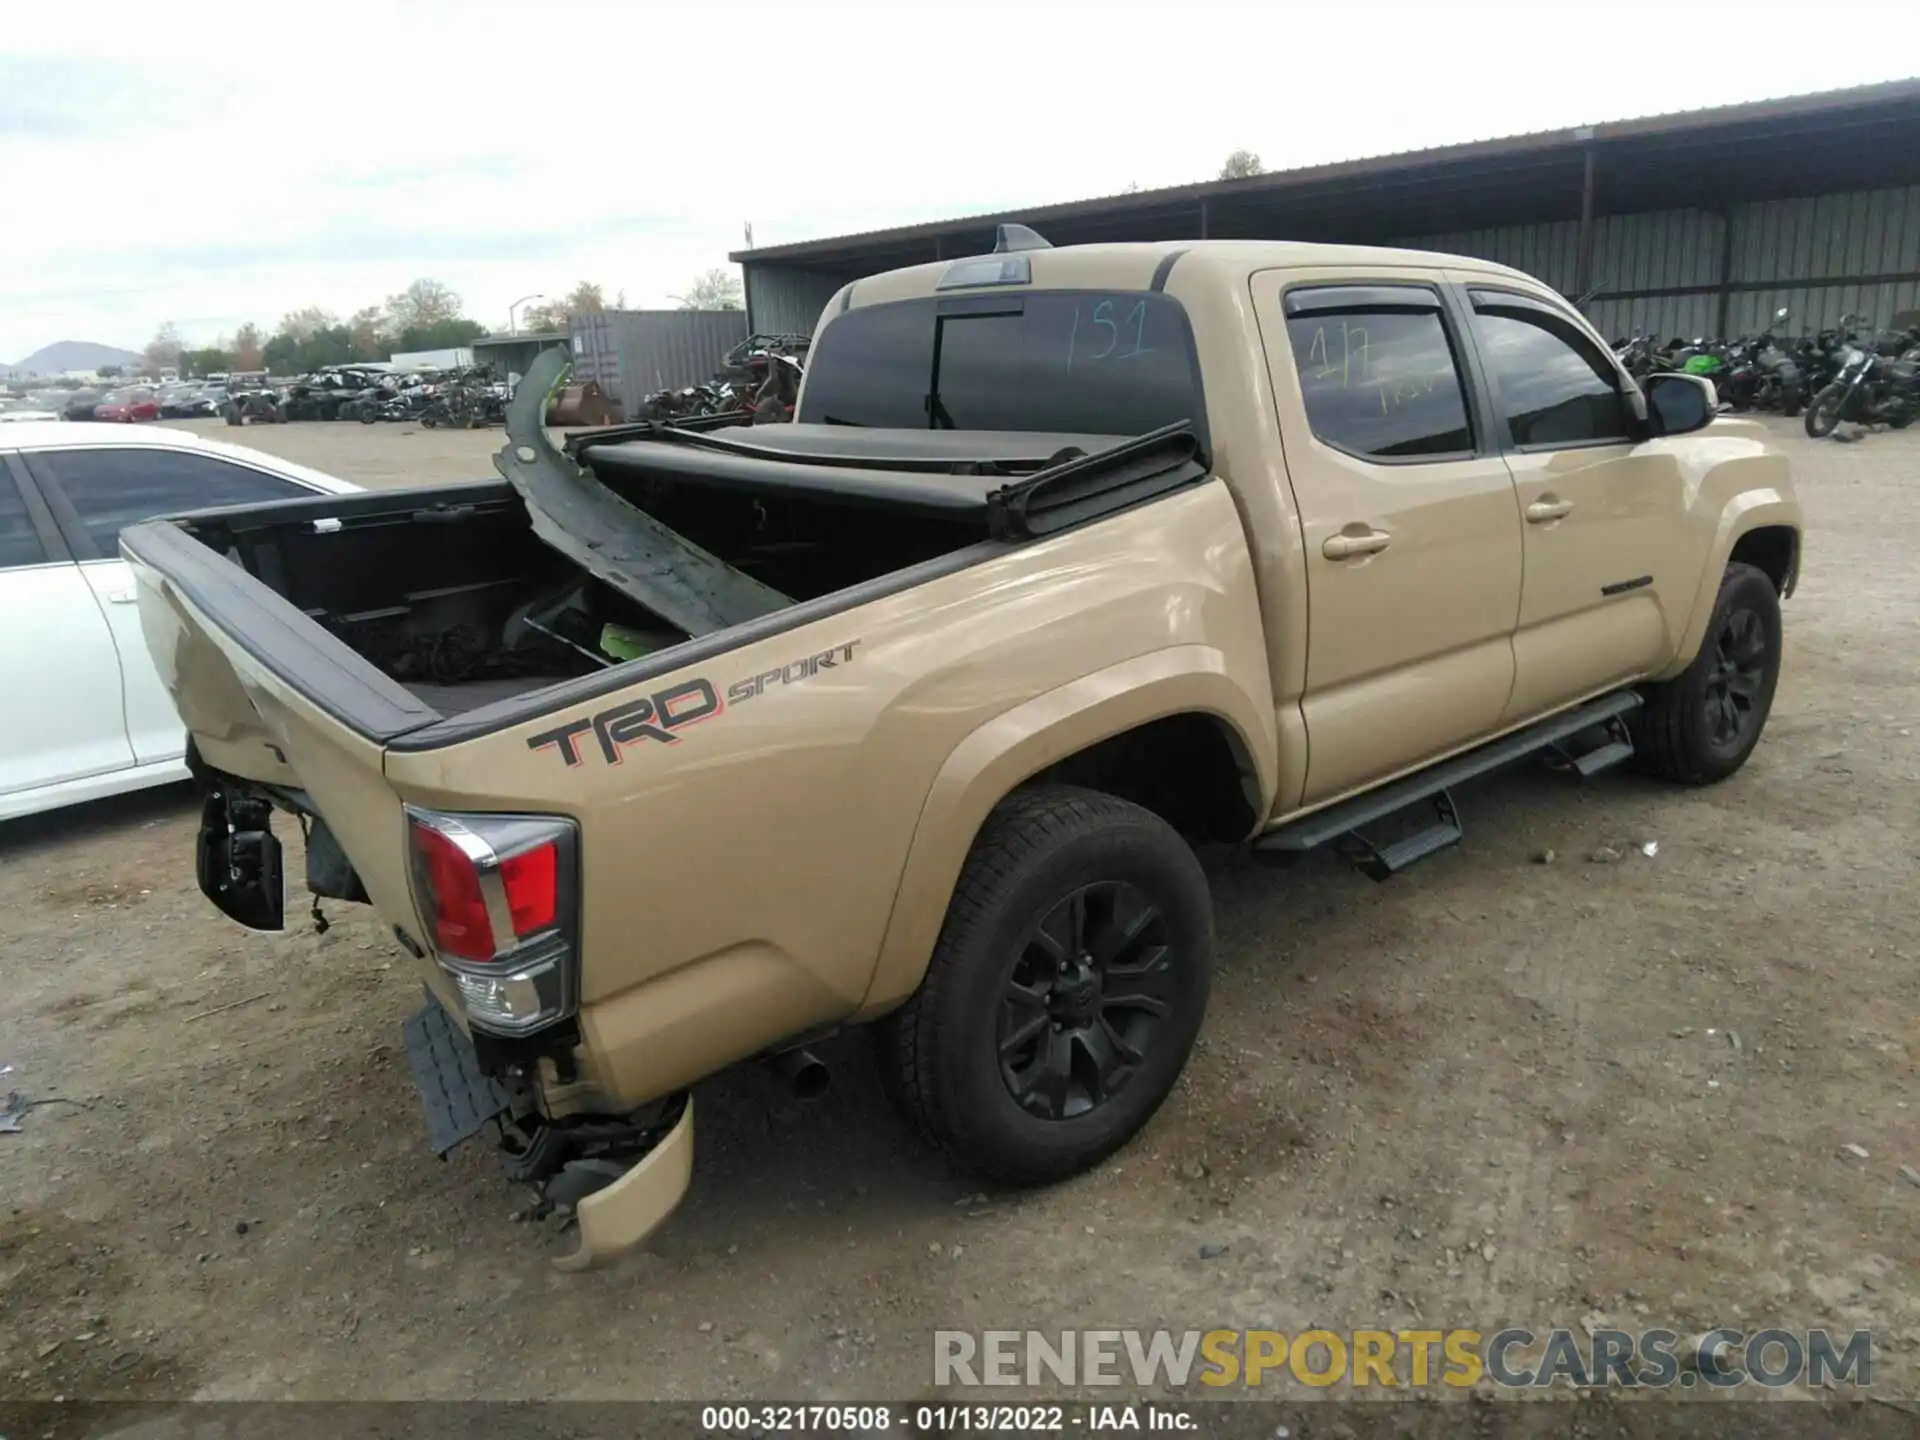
686, 745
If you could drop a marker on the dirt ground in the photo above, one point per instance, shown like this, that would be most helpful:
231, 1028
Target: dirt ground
377, 456
1494, 1090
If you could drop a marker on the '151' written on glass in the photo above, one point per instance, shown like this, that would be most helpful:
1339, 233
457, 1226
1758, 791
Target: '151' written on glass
1106, 331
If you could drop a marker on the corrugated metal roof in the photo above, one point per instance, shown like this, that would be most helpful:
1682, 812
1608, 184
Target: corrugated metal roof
1540, 144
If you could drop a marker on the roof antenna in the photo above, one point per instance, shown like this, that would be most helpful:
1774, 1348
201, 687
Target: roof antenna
1017, 237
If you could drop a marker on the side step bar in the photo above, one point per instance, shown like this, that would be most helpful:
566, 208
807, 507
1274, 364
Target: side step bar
1341, 825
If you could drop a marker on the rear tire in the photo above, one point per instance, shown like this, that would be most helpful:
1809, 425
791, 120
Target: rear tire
1823, 413
1065, 991
1702, 725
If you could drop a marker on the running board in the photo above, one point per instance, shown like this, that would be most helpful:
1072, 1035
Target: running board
1342, 825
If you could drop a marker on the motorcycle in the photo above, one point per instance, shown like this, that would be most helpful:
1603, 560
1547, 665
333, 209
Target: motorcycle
1761, 375
1870, 389
1636, 354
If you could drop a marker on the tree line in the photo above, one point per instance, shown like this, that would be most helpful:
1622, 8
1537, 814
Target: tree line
427, 315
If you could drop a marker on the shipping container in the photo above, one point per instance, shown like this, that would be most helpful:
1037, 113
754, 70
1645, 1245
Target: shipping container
632, 353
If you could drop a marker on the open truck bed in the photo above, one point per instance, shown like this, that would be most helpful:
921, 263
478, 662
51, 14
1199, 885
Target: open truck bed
423, 617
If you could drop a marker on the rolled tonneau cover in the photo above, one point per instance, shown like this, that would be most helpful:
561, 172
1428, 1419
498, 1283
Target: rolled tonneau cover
1017, 484
949, 474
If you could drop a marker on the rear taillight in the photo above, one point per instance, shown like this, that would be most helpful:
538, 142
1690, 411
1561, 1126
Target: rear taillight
499, 897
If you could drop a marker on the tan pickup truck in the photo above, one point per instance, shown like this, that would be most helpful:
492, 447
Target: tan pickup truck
680, 747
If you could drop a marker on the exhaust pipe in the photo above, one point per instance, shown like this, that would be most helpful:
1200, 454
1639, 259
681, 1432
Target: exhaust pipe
803, 1071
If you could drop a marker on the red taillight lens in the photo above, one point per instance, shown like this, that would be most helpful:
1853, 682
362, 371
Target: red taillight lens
532, 882
457, 907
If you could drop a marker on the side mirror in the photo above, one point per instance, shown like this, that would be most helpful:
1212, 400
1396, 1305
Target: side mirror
1679, 403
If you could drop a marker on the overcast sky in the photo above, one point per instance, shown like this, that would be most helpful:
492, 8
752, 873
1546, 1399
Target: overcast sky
212, 167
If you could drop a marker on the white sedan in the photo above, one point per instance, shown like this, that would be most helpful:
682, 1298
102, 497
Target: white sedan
82, 711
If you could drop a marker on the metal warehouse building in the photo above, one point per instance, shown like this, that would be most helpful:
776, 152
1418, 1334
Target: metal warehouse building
1698, 223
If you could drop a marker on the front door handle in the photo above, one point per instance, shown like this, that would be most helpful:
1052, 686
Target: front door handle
1345, 544
123, 597
1543, 510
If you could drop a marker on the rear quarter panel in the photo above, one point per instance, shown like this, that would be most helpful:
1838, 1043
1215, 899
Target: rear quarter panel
743, 876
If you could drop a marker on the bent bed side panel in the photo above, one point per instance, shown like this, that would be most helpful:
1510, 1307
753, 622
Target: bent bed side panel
186, 586
247, 719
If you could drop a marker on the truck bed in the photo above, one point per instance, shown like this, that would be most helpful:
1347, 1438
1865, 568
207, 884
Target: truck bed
420, 617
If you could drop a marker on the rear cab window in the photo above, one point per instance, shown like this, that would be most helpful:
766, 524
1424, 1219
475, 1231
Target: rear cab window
1088, 362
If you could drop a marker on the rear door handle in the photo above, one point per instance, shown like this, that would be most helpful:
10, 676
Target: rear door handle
123, 597
1542, 511
1344, 545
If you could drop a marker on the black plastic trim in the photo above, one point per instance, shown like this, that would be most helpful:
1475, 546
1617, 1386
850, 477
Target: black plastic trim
1165, 268
1094, 486
948, 306
73, 530
53, 543
1488, 431
1311, 831
1328, 297
1621, 587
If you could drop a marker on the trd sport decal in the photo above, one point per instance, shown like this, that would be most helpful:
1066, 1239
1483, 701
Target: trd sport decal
790, 673
662, 715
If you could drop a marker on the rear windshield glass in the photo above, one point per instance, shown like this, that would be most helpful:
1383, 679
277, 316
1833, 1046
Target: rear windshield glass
1068, 362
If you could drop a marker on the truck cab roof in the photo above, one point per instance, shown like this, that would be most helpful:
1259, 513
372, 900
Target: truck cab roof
1143, 265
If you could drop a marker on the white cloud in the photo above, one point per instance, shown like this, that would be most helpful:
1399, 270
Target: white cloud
216, 172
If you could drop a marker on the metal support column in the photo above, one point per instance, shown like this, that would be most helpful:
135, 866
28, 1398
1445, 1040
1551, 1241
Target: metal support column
1583, 259
1726, 270
1206, 219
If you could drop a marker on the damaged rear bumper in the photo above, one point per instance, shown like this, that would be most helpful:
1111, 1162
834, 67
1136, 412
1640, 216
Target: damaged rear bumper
614, 1220
460, 1100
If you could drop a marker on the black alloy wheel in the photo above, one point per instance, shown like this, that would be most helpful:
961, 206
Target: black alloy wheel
1737, 678
1065, 991
1085, 1000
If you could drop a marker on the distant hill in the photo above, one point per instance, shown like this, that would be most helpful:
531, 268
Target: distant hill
71, 355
